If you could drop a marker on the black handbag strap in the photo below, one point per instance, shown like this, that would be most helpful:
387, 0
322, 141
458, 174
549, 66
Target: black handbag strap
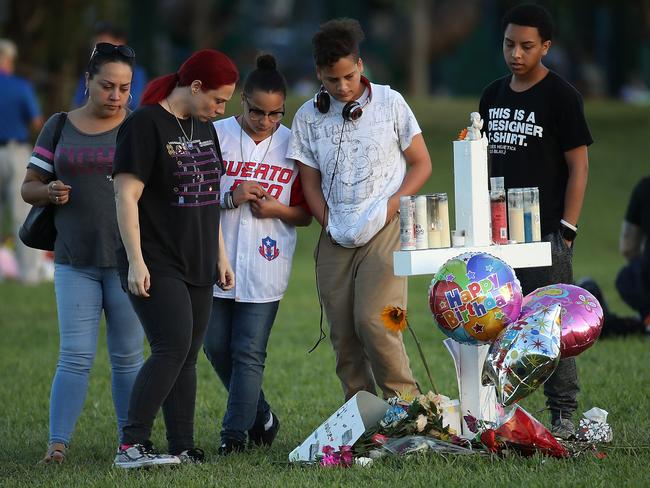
60, 122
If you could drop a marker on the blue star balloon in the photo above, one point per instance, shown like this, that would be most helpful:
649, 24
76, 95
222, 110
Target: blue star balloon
524, 355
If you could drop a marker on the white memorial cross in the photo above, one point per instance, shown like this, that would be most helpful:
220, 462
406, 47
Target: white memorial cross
472, 216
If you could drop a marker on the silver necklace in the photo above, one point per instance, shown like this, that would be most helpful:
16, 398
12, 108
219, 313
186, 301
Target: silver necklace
188, 144
241, 143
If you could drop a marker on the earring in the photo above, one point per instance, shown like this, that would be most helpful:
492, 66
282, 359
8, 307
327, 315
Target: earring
86, 91
130, 97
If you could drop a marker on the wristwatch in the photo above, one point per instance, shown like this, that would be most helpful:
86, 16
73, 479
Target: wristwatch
568, 231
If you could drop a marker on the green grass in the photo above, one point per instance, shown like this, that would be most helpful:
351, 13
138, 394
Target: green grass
303, 388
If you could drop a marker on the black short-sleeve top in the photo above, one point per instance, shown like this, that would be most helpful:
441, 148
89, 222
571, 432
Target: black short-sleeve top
179, 161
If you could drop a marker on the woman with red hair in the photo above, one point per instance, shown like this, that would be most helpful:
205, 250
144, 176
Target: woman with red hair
167, 172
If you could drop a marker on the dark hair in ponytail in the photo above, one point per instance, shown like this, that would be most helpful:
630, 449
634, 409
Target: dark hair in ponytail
265, 77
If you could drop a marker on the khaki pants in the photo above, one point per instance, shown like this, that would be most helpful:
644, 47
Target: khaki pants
13, 161
355, 286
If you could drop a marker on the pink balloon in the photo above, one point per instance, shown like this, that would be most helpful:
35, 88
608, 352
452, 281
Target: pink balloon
581, 316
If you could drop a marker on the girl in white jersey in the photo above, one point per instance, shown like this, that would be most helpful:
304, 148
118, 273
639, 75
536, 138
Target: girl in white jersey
262, 203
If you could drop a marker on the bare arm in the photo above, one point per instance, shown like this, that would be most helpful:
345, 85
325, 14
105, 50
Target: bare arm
632, 240
128, 190
38, 191
226, 279
578, 163
311, 180
417, 157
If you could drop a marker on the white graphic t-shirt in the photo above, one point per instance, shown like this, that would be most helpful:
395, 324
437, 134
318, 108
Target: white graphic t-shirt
260, 250
361, 163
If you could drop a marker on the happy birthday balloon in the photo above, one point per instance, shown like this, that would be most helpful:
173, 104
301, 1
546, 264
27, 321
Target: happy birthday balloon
474, 296
524, 355
581, 315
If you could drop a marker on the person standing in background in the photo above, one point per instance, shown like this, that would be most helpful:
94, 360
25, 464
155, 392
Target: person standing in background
538, 137
111, 33
20, 115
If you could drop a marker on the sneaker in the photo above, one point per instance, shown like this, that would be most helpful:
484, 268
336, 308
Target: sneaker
264, 436
140, 456
191, 456
228, 446
563, 429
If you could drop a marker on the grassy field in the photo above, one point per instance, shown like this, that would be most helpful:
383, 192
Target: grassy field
302, 387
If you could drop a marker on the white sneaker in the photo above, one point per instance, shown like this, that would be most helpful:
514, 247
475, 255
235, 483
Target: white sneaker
139, 456
192, 456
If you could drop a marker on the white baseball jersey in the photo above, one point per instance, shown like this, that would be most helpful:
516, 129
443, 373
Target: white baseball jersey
260, 250
361, 163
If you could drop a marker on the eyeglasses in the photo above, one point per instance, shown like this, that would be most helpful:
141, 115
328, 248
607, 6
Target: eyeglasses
256, 114
108, 48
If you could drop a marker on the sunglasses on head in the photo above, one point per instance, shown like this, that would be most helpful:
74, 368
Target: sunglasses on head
108, 48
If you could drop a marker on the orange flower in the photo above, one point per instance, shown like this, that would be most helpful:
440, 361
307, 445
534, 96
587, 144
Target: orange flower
394, 319
462, 135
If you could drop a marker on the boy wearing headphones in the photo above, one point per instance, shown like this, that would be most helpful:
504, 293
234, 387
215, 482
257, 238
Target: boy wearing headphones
359, 148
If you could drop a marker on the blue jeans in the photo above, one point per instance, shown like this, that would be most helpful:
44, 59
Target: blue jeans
235, 344
81, 295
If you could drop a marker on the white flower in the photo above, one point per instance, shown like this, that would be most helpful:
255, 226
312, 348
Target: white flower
421, 423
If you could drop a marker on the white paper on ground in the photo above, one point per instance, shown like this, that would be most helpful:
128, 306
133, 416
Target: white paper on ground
596, 415
344, 427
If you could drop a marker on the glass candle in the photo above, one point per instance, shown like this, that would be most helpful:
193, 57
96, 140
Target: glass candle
435, 224
516, 215
498, 211
407, 223
421, 227
532, 221
443, 214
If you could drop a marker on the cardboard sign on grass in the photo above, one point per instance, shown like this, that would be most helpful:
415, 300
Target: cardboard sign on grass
344, 427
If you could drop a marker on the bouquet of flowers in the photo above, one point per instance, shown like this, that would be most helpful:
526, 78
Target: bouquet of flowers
419, 416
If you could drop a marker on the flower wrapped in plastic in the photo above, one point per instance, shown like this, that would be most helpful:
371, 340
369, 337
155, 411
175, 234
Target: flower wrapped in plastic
593, 427
420, 417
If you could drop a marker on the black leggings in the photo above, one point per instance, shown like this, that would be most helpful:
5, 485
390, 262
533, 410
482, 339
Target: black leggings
175, 318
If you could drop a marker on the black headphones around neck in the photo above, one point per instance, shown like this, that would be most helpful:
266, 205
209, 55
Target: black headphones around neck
352, 110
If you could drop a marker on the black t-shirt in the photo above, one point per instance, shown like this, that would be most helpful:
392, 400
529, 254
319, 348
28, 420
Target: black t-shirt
638, 213
529, 132
179, 206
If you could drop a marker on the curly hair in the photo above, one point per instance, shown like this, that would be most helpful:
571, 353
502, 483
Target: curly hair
530, 15
337, 39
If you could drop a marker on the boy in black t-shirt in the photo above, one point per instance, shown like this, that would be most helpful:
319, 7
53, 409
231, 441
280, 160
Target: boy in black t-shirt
538, 137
